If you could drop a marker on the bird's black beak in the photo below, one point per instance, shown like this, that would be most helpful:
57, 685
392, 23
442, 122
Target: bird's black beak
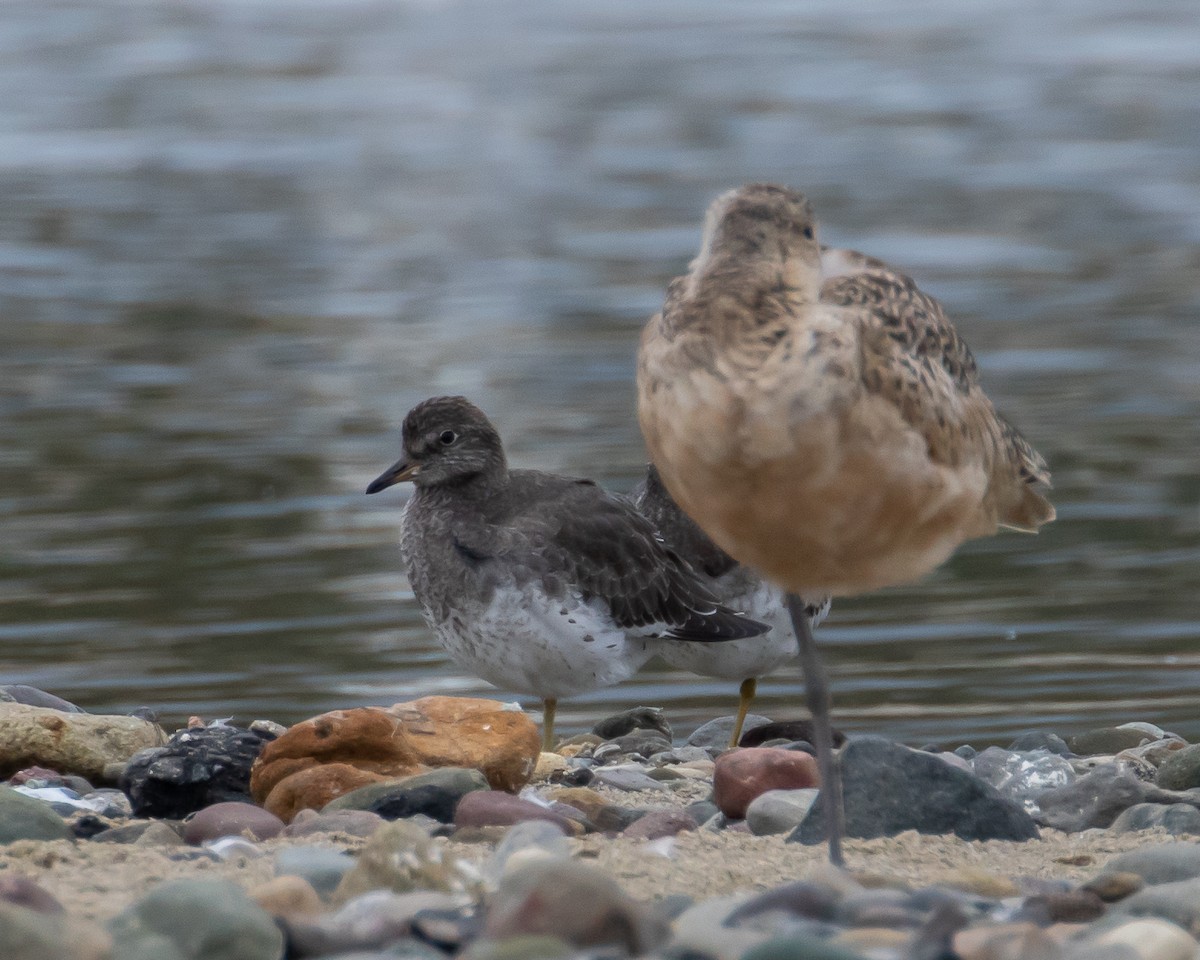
398, 472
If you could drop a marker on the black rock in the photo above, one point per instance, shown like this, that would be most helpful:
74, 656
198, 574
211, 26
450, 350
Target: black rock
889, 788
579, 776
430, 799
1041, 740
793, 730
196, 768
88, 826
33, 697
639, 718
641, 743
800, 898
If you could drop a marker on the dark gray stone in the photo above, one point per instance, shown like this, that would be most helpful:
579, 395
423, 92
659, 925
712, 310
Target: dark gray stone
715, 734
33, 697
789, 731
196, 768
639, 718
1106, 740
321, 867
889, 788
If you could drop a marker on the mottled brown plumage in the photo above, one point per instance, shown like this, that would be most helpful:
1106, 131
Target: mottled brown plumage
820, 418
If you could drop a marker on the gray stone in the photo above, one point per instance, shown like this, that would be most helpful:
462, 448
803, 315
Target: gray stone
1159, 863
435, 794
1096, 799
1041, 740
1181, 770
715, 734
627, 778
400, 856
196, 920
1178, 902
321, 867
800, 946
708, 929
79, 743
534, 839
31, 935
1176, 819
33, 697
779, 811
372, 920
23, 818
888, 788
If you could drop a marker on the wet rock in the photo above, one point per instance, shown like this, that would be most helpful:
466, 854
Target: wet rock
889, 789
627, 721
23, 818
659, 823
574, 901
1096, 799
407, 738
1159, 863
494, 808
231, 819
1023, 777
793, 731
1180, 770
743, 774
401, 857
435, 794
69, 743
317, 787
22, 891
1175, 818
197, 767
196, 920
1148, 940
715, 734
779, 811
1040, 740
323, 869
1108, 740
354, 823
33, 697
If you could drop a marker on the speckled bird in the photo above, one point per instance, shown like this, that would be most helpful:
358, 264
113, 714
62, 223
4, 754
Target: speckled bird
822, 420
537, 583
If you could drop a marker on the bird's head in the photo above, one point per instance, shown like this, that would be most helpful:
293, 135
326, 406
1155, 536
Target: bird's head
446, 440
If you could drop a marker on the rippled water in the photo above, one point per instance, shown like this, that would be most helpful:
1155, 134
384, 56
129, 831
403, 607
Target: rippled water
239, 239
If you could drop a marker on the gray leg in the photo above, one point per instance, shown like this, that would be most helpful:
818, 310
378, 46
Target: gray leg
816, 687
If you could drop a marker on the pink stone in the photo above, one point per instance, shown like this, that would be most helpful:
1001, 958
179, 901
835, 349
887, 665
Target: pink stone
659, 823
231, 819
495, 808
743, 774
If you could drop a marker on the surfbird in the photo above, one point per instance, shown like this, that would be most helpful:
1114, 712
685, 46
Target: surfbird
823, 421
538, 583
734, 585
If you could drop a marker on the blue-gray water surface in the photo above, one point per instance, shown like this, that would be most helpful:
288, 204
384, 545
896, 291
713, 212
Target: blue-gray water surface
240, 238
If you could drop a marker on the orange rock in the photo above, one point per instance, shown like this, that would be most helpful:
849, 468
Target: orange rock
501, 743
314, 787
291, 772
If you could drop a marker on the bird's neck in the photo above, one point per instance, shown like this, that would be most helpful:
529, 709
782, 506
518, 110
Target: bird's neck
474, 487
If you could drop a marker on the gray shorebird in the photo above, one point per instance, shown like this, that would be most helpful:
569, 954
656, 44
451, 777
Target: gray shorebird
736, 586
822, 420
537, 583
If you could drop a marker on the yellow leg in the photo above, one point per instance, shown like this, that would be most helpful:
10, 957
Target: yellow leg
549, 705
746, 694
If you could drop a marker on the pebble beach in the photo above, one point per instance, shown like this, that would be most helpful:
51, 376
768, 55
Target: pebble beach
438, 828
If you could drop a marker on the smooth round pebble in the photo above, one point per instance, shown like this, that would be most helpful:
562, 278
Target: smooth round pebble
231, 819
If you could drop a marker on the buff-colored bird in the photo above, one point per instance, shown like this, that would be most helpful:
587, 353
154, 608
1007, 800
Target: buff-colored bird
819, 417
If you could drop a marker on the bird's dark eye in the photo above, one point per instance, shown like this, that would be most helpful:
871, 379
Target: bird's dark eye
448, 437
808, 232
